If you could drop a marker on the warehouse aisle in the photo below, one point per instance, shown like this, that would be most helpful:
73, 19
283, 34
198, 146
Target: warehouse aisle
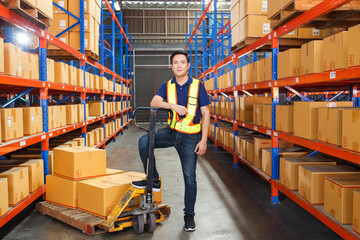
232, 203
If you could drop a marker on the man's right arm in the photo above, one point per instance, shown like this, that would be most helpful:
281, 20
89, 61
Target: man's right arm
159, 102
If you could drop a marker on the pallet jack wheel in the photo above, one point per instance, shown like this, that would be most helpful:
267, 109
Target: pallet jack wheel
151, 222
138, 224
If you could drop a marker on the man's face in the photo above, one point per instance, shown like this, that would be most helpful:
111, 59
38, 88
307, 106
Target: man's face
180, 66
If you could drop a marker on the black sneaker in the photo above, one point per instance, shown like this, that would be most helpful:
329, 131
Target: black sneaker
190, 225
142, 184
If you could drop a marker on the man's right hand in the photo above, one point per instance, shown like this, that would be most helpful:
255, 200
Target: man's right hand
181, 110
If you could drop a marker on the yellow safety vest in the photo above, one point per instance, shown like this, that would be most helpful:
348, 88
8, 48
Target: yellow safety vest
184, 125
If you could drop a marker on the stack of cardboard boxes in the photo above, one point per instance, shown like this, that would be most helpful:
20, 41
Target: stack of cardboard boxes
80, 173
18, 178
62, 21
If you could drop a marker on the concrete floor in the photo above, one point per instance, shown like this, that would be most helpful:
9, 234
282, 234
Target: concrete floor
231, 204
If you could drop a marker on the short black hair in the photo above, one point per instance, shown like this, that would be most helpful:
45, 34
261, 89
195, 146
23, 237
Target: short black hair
177, 53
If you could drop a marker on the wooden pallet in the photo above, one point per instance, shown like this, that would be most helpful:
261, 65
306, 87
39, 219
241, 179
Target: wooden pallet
343, 17
284, 44
86, 222
58, 54
29, 12
81, 220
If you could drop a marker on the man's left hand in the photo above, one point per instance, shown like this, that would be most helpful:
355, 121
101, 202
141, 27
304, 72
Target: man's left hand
201, 147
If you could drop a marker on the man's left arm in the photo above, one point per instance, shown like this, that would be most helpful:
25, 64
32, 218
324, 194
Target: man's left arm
202, 145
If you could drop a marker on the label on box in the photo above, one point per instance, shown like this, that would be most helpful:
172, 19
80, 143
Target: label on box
85, 24
86, 43
32, 118
85, 6
61, 4
316, 32
266, 28
62, 24
19, 67
63, 40
264, 6
9, 121
292, 33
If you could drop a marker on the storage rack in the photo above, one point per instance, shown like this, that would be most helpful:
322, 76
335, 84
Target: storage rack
213, 38
333, 81
46, 89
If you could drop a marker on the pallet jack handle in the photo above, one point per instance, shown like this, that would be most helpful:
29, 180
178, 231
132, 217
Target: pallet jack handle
151, 133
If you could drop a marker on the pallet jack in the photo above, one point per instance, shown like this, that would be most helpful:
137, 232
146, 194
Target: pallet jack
136, 208
147, 214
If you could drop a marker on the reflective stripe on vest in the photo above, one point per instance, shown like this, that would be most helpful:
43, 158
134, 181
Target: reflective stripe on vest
186, 124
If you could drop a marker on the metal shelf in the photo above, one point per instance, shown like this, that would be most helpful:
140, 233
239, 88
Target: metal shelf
17, 144
13, 211
114, 134
331, 80
343, 230
312, 144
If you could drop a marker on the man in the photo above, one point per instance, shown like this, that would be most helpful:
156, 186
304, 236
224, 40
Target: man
188, 100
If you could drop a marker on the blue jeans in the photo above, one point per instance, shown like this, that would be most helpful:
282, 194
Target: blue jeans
185, 146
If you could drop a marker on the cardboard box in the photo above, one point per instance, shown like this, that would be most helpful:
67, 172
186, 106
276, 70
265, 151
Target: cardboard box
356, 211
72, 75
2, 67
312, 57
79, 162
61, 191
350, 133
254, 26
111, 171
311, 180
96, 108
80, 112
285, 118
253, 7
101, 133
283, 152
89, 7
33, 120
306, 117
330, 125
257, 114
267, 115
46, 7
338, 196
59, 23
61, 115
30, 65
289, 63
79, 77
250, 150
50, 70
337, 58
309, 33
4, 197
12, 65
11, 123
18, 183
89, 139
89, 24
89, 42
353, 48
61, 3
235, 15
245, 105
64, 37
61, 72
274, 6
268, 69
71, 114
289, 168
260, 143
105, 193
35, 171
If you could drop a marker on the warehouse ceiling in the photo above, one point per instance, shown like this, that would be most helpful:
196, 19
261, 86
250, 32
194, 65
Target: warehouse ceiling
172, 4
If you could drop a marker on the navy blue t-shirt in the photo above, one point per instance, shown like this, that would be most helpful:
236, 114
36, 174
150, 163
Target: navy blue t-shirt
183, 94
